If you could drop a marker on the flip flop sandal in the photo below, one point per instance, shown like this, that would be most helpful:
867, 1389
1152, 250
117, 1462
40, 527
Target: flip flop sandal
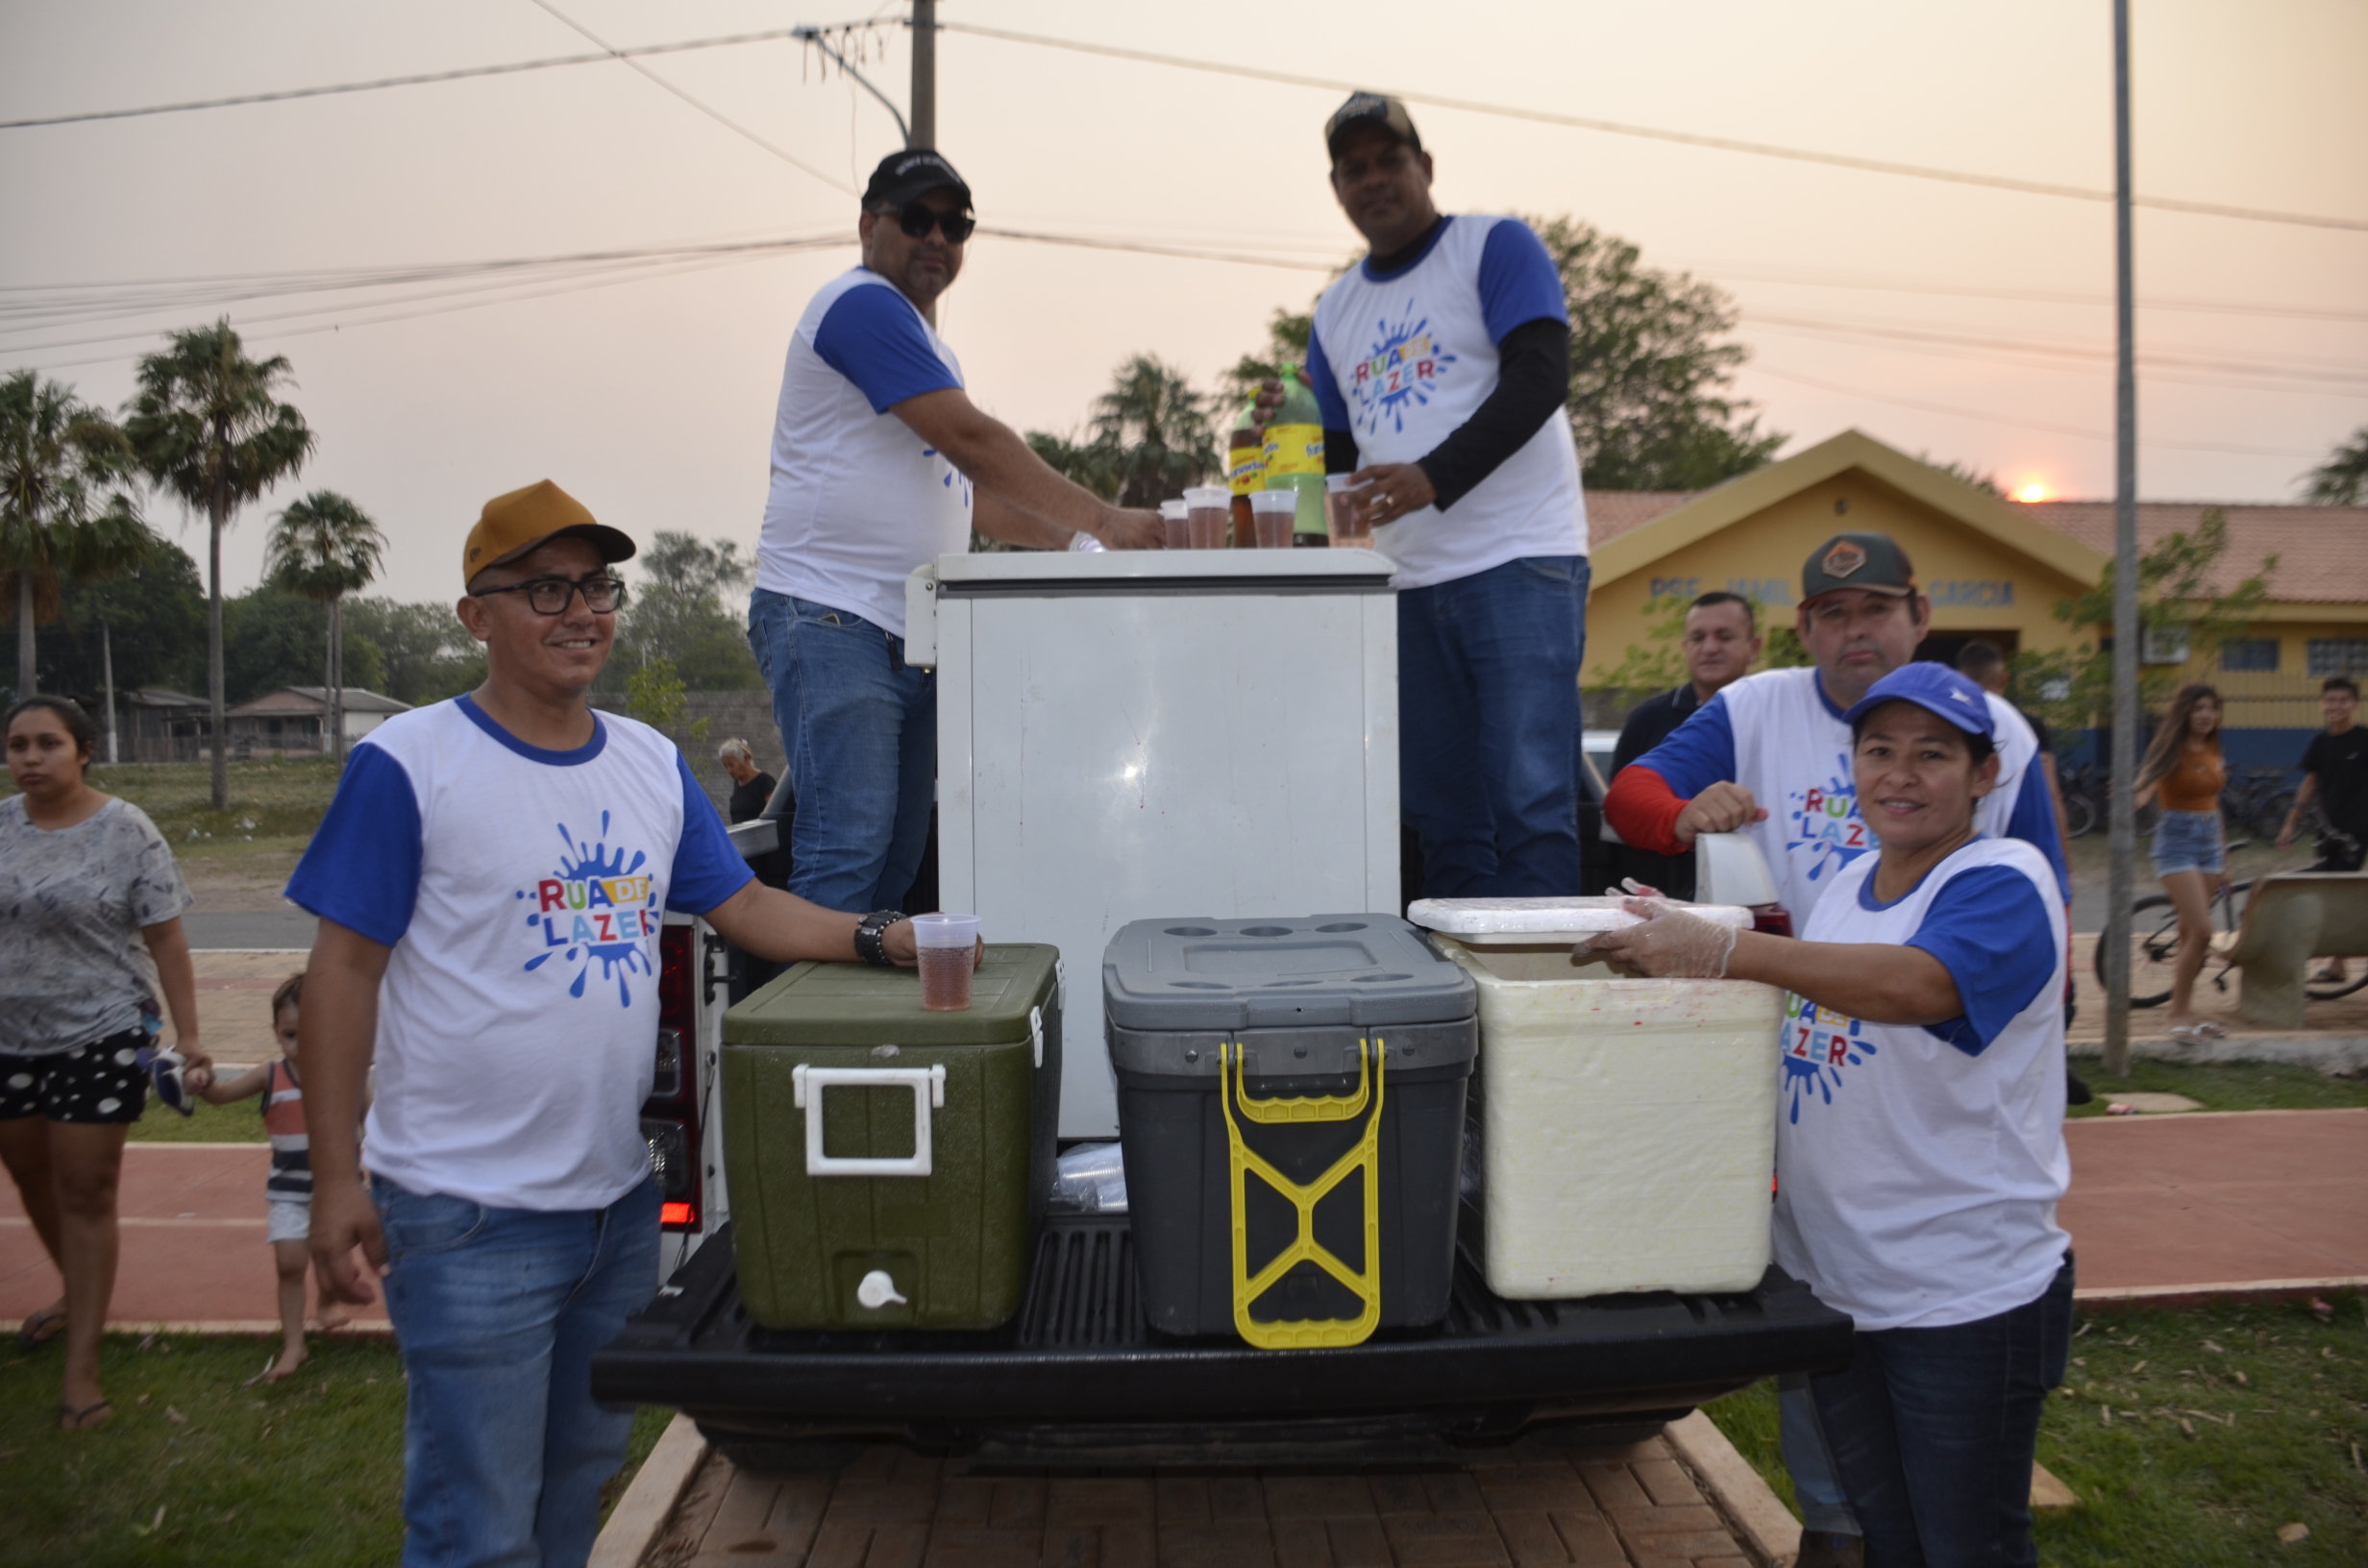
40, 1329
2196, 1034
70, 1419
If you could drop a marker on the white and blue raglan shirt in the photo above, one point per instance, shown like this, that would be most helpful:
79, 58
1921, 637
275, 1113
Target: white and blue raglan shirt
1403, 361
522, 891
1781, 738
858, 501
1918, 1167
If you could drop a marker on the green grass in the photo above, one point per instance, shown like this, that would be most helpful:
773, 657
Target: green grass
304, 1472
238, 1123
2163, 1486
2230, 1086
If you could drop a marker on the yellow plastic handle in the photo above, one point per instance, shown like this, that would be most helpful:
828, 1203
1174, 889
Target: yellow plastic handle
1365, 1156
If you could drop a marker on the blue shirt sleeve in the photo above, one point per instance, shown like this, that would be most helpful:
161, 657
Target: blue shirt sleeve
708, 870
1517, 280
1326, 384
361, 869
1699, 753
2033, 822
1989, 931
874, 338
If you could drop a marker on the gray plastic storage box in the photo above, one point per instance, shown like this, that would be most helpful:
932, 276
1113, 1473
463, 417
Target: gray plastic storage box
1291, 1106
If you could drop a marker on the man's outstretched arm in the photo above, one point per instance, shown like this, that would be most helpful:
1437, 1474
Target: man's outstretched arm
998, 462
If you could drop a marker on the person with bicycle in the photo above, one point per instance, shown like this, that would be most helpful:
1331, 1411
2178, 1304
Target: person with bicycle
2185, 769
2336, 778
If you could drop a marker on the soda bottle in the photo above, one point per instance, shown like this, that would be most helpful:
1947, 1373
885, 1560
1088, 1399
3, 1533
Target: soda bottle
1295, 453
1244, 468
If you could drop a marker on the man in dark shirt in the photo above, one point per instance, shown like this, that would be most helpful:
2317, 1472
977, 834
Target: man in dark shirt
2335, 775
1721, 641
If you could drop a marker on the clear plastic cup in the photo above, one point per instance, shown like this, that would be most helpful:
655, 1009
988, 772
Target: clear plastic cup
1207, 508
1345, 512
1174, 519
1272, 512
949, 947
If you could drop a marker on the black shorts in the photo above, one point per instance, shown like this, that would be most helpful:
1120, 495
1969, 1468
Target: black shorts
100, 1083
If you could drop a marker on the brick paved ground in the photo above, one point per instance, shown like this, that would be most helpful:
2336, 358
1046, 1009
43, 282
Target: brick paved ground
1528, 1505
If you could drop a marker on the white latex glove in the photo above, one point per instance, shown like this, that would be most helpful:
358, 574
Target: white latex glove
1668, 944
1085, 543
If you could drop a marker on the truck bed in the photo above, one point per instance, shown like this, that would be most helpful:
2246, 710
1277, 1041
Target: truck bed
1080, 1374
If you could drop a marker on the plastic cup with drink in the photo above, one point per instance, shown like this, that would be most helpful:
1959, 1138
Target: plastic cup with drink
1271, 514
1206, 509
1347, 512
947, 946
1172, 519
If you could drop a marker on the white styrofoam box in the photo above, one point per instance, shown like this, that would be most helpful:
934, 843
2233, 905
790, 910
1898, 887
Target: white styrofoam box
1495, 922
1628, 1127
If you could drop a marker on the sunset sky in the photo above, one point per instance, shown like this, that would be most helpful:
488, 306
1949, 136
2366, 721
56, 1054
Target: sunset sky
1969, 323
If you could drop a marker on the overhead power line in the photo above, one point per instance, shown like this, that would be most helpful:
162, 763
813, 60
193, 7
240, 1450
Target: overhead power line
1684, 138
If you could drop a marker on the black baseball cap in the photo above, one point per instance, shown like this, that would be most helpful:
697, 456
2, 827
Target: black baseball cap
1365, 108
1872, 561
913, 172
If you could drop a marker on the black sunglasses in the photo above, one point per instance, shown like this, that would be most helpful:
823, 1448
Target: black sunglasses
917, 220
548, 596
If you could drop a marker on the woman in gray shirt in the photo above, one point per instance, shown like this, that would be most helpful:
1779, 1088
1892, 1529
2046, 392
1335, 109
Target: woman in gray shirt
91, 903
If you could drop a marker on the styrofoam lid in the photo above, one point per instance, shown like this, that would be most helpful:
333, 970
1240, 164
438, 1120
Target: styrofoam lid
1547, 916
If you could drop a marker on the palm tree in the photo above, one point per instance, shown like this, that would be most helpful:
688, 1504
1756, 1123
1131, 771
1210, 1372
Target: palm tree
67, 510
325, 547
2342, 481
1155, 428
206, 424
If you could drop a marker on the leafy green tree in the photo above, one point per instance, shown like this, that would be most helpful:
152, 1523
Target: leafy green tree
2175, 608
656, 694
2342, 481
207, 424
67, 510
1285, 347
149, 622
325, 547
426, 654
273, 638
1147, 438
677, 613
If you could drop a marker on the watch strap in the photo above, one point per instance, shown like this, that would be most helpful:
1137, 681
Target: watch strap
871, 932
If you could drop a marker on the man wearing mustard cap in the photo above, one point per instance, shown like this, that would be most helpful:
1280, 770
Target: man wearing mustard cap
881, 463
491, 879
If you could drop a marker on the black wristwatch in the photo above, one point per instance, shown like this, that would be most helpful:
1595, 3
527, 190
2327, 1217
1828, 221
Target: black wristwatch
869, 934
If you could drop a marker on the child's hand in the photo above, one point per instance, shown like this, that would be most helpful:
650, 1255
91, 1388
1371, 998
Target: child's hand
196, 1067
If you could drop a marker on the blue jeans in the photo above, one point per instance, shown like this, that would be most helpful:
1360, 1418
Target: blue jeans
1815, 1484
859, 729
498, 1313
1487, 698
1934, 1431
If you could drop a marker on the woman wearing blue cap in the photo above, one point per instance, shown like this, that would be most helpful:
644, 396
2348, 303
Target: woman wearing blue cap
1919, 1150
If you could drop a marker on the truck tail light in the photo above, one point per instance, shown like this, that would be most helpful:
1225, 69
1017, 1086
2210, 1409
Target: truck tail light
670, 1118
1772, 918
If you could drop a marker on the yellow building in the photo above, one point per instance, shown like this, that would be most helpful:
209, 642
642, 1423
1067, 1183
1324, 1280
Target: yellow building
1994, 569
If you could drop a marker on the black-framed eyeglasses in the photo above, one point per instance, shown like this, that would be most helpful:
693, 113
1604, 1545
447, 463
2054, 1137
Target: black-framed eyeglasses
917, 220
603, 595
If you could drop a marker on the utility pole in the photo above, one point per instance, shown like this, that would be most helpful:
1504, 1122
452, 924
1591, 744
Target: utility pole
107, 669
2122, 841
924, 131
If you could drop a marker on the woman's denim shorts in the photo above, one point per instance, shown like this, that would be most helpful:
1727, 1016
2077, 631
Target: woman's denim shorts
2188, 840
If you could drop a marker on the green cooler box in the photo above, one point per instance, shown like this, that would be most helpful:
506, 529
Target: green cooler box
888, 1166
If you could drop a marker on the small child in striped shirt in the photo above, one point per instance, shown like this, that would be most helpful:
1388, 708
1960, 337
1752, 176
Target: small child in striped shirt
289, 1185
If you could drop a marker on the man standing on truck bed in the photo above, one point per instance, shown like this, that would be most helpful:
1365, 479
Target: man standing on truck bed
1770, 756
1441, 361
880, 463
491, 880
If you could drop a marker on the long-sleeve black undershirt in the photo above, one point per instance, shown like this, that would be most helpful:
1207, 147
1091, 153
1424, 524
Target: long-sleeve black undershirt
1533, 384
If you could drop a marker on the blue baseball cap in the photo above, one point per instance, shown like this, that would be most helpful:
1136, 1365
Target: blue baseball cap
1931, 686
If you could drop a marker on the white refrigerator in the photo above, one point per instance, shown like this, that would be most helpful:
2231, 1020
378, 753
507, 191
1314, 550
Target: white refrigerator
1124, 736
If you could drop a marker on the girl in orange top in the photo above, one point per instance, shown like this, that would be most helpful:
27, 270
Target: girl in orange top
2183, 767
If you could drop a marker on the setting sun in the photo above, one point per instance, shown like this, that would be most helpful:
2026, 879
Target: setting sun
2033, 492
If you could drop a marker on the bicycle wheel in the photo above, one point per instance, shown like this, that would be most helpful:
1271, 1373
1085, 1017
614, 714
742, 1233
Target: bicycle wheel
2269, 815
2153, 951
2079, 815
2326, 991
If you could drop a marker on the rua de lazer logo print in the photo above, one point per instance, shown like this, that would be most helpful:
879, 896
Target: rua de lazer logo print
1825, 820
1818, 1043
593, 906
1400, 371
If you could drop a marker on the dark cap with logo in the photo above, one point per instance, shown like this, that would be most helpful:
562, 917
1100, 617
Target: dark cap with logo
1872, 561
911, 173
1365, 108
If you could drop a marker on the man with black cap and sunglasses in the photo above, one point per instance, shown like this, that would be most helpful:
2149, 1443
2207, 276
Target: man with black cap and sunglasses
1442, 366
881, 463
